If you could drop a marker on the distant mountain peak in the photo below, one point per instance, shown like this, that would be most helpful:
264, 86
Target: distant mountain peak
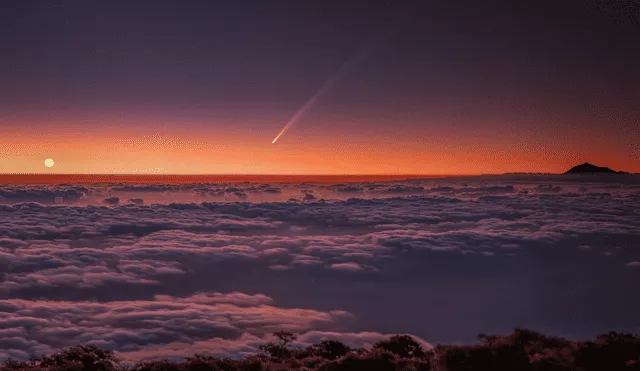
588, 168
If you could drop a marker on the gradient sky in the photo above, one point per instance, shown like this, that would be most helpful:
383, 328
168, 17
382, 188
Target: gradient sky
204, 87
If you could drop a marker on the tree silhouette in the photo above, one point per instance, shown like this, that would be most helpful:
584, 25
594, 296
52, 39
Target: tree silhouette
279, 349
285, 338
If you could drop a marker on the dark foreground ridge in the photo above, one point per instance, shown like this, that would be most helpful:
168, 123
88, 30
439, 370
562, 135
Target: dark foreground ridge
588, 168
523, 350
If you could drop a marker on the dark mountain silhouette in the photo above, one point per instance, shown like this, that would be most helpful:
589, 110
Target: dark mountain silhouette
588, 168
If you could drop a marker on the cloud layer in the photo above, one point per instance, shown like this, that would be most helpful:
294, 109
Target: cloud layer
183, 326
443, 260
460, 187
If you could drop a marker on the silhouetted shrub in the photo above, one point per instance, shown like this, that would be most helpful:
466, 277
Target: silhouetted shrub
375, 360
455, 358
86, 358
11, 364
331, 349
613, 351
497, 357
550, 363
274, 350
510, 357
313, 362
522, 350
157, 366
422, 364
401, 345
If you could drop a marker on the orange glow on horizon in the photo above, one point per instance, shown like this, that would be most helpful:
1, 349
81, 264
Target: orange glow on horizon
123, 149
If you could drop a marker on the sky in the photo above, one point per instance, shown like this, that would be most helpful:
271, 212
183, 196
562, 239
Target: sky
204, 87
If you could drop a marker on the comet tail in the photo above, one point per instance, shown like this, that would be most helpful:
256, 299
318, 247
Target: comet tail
326, 86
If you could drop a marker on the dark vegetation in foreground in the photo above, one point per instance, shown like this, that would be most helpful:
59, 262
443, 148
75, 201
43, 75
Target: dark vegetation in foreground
523, 350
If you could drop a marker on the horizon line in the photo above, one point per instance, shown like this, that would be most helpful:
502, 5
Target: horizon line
279, 174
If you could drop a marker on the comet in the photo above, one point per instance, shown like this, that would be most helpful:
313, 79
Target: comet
328, 84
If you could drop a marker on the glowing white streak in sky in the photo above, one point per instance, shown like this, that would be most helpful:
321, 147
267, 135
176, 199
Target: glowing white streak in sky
361, 53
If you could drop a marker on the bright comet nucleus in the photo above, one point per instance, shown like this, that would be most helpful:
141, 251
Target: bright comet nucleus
49, 162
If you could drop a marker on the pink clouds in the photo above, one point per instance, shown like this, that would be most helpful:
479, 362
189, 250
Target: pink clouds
245, 345
148, 277
347, 267
235, 321
235, 298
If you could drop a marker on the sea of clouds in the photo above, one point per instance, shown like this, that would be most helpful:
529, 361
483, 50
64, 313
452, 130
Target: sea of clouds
157, 271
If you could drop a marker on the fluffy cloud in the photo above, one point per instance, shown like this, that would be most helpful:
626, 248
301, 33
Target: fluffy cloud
349, 267
111, 201
42, 194
240, 320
